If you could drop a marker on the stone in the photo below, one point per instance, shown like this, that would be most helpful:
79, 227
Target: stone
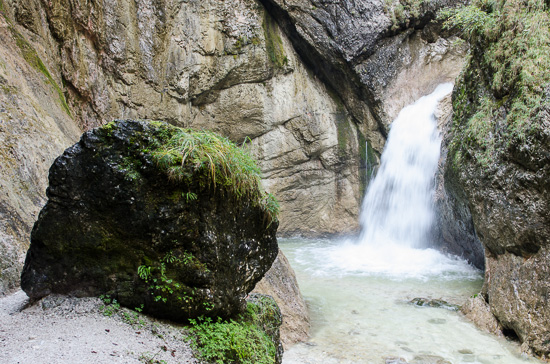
454, 231
117, 224
478, 311
502, 170
394, 360
280, 283
436, 303
269, 320
429, 359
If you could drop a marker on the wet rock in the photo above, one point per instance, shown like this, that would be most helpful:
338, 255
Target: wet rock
437, 303
454, 230
280, 283
478, 311
503, 173
394, 360
269, 318
116, 223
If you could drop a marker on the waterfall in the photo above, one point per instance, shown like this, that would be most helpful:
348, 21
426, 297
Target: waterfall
397, 211
397, 208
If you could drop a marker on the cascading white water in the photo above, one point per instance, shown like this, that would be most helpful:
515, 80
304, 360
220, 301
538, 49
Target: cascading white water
397, 211
397, 208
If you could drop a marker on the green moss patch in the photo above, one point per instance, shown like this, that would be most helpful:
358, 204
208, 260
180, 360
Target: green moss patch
32, 58
401, 11
188, 155
273, 42
505, 78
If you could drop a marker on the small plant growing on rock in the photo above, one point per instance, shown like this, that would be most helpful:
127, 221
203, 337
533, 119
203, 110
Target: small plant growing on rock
242, 341
503, 89
162, 286
188, 151
110, 306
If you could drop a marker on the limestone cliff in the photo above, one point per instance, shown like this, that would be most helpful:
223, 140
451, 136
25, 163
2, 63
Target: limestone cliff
228, 66
499, 159
35, 127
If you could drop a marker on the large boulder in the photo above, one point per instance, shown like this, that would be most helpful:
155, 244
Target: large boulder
129, 217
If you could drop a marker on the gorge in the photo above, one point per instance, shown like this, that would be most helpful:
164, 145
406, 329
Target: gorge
313, 87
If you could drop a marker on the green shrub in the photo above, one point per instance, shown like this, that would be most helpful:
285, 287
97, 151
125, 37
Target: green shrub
233, 341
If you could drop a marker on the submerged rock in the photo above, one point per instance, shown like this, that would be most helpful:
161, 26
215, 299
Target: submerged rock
394, 360
426, 302
429, 359
168, 237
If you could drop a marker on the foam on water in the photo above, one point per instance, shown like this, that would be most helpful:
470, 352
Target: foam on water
393, 260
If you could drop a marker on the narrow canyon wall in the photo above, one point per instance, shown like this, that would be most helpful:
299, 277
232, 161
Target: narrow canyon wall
311, 88
499, 162
35, 127
223, 66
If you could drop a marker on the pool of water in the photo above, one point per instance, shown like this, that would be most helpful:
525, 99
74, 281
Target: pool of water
359, 296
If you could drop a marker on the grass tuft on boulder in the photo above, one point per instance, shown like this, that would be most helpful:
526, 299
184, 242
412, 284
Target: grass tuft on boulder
188, 151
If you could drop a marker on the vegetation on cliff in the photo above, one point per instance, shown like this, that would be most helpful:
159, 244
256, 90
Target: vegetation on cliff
31, 56
499, 156
504, 85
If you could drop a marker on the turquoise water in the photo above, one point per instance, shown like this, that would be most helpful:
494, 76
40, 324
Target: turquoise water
358, 299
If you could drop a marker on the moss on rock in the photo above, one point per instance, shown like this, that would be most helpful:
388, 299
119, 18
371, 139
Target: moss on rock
504, 85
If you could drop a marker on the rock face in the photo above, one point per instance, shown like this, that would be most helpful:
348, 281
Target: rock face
454, 230
116, 224
34, 129
280, 283
225, 66
478, 311
378, 55
499, 160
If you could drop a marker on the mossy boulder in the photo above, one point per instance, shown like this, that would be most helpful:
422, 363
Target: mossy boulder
131, 216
